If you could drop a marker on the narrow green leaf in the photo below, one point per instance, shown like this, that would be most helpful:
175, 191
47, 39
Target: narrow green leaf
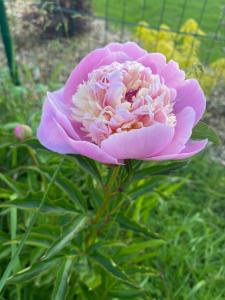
72, 191
159, 169
32, 271
62, 279
146, 186
203, 131
111, 267
196, 288
67, 236
34, 144
126, 223
34, 204
86, 293
10, 183
89, 166
138, 247
130, 294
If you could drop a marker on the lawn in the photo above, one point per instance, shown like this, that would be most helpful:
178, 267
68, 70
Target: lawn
170, 12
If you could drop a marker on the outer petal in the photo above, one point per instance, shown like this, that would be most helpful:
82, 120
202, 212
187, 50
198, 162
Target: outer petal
191, 148
112, 57
80, 73
140, 143
55, 108
53, 136
172, 74
190, 94
183, 131
129, 48
155, 61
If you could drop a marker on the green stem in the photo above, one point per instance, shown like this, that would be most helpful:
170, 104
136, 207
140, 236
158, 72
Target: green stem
108, 192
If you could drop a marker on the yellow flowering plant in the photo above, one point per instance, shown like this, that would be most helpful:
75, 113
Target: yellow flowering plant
183, 48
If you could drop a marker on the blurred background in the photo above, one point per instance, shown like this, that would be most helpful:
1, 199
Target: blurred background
42, 41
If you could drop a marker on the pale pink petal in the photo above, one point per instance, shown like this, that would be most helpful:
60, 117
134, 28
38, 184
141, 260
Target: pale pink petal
172, 74
183, 130
80, 73
119, 57
54, 137
155, 61
55, 108
190, 94
133, 50
191, 148
140, 143
130, 48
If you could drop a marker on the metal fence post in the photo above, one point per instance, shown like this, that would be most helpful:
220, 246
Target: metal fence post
8, 44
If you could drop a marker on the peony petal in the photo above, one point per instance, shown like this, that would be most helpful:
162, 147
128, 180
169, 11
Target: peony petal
191, 148
138, 143
172, 74
130, 48
133, 50
119, 57
55, 108
190, 94
56, 139
183, 131
155, 61
80, 73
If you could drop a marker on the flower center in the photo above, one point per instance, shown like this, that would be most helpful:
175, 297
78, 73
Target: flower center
121, 97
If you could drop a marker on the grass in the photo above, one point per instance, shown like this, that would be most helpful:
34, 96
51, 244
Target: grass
128, 13
192, 263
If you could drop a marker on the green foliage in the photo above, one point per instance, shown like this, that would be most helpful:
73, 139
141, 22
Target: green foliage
160, 237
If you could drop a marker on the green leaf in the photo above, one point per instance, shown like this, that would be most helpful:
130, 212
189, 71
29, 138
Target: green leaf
32, 271
138, 247
67, 236
88, 165
127, 294
66, 186
34, 144
62, 280
159, 169
32, 203
129, 224
72, 191
146, 186
203, 131
10, 183
111, 267
86, 293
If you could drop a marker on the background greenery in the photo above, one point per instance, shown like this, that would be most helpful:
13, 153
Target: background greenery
126, 14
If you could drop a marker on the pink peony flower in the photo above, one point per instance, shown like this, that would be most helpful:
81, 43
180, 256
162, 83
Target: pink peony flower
22, 132
121, 102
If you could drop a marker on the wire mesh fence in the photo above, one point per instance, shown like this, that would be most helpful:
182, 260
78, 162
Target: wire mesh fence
191, 32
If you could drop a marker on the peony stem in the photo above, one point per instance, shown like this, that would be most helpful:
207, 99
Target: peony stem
109, 189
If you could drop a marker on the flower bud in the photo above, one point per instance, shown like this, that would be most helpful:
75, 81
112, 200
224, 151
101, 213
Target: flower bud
22, 132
